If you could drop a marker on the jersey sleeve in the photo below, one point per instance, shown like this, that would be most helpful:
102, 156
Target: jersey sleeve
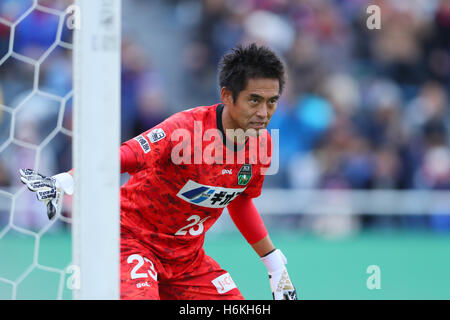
260, 168
153, 147
245, 216
128, 161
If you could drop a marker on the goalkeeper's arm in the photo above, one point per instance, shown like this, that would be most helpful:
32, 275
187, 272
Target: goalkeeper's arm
247, 219
51, 189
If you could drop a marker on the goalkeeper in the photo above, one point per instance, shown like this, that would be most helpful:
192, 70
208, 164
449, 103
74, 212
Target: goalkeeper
174, 195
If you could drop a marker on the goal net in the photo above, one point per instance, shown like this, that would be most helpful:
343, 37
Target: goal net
60, 91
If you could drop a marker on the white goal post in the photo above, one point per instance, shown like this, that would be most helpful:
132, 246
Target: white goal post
96, 141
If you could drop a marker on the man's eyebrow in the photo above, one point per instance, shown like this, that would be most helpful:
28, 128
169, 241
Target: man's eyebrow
255, 95
275, 97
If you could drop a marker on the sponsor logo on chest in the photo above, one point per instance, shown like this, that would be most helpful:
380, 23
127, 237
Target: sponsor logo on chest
208, 196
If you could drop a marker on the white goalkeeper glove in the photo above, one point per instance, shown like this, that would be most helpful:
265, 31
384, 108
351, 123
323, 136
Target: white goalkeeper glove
280, 283
48, 189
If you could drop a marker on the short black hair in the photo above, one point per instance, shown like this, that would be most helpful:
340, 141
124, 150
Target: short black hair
246, 62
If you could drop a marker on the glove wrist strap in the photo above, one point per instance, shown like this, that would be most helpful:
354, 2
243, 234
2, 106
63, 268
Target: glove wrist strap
65, 181
274, 261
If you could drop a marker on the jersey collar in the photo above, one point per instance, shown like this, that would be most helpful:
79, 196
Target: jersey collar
219, 112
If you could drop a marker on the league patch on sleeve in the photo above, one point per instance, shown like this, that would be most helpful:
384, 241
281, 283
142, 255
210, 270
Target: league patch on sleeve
156, 135
143, 143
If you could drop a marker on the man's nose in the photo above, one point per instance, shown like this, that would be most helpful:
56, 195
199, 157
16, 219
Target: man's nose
262, 111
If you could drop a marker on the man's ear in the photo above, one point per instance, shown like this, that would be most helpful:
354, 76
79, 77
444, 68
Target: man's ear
226, 96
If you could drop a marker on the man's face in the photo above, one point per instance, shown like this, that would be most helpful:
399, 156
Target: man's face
254, 105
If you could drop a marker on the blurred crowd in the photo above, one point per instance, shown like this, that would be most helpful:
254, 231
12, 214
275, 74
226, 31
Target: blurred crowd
363, 108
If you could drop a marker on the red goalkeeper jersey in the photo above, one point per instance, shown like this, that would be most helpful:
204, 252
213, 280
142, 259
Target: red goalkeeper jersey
185, 174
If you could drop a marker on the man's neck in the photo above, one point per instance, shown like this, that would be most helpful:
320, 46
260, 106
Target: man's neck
229, 124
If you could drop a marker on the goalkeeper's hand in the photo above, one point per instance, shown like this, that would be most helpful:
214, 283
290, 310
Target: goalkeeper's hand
48, 189
280, 283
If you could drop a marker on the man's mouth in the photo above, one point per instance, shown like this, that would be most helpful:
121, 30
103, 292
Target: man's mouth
257, 125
